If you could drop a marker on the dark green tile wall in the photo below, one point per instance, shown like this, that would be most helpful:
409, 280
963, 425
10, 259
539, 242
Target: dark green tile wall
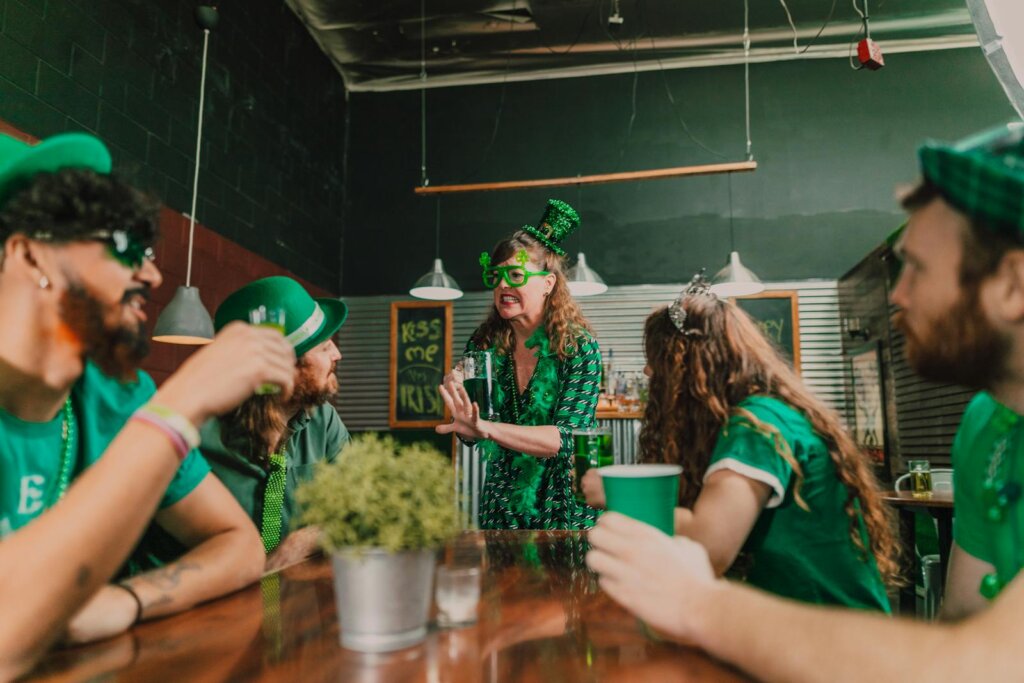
832, 144
129, 71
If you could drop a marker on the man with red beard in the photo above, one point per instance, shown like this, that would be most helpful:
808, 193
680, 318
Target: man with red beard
78, 418
961, 292
266, 447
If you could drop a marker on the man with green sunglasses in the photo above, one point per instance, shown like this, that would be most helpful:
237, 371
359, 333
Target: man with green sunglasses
77, 417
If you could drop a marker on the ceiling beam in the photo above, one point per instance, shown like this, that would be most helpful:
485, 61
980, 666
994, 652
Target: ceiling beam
626, 176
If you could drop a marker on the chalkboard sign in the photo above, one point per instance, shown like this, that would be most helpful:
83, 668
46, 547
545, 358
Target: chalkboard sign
421, 333
778, 316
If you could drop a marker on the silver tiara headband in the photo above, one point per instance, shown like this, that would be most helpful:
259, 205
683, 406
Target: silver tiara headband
698, 286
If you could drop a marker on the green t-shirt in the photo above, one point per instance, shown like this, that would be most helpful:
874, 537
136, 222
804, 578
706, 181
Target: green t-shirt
317, 435
1000, 543
803, 555
31, 451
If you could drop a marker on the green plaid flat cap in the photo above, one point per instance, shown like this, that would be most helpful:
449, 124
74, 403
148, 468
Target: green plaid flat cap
982, 176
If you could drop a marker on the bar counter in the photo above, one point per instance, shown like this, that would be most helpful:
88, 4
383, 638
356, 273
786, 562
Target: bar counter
542, 618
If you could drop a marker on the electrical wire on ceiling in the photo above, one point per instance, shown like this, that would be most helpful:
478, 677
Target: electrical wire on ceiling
424, 180
789, 18
865, 32
821, 30
668, 91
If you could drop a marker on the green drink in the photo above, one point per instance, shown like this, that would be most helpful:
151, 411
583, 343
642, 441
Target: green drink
273, 318
478, 380
593, 449
479, 390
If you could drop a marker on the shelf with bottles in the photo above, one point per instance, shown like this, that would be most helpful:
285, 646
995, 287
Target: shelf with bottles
623, 388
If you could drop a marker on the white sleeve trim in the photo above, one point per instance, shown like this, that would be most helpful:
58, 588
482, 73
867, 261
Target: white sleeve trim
743, 469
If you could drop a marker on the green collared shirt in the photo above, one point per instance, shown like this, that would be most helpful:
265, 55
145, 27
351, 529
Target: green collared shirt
316, 436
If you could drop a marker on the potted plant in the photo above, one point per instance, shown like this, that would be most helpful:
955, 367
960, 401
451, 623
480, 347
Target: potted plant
383, 510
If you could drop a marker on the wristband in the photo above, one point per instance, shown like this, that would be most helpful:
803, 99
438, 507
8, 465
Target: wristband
179, 422
177, 440
138, 601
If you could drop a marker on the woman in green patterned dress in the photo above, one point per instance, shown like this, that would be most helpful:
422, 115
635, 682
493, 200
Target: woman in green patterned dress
547, 368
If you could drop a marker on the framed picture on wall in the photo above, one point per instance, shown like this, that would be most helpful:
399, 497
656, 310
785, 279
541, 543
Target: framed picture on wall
868, 401
777, 314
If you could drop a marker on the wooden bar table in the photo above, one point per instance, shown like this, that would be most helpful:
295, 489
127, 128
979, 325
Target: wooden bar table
542, 617
940, 507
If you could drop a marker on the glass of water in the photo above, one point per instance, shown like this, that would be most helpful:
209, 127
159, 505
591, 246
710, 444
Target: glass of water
458, 595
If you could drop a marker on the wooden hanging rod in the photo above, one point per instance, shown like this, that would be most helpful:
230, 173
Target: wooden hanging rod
675, 172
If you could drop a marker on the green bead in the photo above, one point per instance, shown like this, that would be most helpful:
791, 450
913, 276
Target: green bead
990, 586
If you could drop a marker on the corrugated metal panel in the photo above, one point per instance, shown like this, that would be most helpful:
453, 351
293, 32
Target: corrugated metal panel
617, 317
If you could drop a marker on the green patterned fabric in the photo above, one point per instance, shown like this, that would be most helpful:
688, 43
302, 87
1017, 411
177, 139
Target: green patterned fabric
523, 491
982, 176
273, 502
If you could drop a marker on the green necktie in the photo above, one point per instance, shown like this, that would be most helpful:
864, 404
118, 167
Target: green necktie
273, 502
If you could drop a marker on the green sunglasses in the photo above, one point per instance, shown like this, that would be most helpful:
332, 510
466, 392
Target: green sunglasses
120, 244
514, 276
125, 250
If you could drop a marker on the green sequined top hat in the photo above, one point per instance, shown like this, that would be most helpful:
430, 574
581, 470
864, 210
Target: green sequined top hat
558, 222
308, 321
982, 176
20, 161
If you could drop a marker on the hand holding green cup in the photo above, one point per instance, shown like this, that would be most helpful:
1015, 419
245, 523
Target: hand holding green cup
274, 318
648, 493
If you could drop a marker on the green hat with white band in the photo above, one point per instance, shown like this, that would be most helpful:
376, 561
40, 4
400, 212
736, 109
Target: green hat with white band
307, 321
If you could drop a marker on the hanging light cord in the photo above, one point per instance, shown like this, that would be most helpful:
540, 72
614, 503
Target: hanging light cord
746, 73
437, 230
424, 181
732, 236
199, 146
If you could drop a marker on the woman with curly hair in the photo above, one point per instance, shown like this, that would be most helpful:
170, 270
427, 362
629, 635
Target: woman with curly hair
769, 474
547, 370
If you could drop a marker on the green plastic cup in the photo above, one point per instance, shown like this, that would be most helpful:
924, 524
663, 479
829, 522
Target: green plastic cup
648, 493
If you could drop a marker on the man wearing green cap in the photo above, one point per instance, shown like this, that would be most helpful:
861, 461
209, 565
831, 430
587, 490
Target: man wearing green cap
266, 447
961, 295
77, 418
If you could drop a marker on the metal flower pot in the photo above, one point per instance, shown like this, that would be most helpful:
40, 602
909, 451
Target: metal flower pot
383, 598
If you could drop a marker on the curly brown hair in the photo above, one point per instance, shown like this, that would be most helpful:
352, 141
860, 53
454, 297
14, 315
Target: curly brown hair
697, 383
563, 319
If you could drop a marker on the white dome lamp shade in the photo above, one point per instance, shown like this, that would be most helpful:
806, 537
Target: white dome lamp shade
584, 280
436, 285
736, 280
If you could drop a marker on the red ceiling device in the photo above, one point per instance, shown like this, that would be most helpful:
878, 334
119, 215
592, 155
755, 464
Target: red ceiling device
870, 55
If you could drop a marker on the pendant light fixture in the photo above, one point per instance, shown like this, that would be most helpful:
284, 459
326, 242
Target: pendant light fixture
736, 279
581, 278
436, 285
185, 320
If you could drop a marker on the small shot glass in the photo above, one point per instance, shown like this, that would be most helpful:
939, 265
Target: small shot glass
457, 595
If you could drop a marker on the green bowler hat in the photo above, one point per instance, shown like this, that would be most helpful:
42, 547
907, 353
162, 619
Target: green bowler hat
19, 161
308, 321
982, 176
558, 222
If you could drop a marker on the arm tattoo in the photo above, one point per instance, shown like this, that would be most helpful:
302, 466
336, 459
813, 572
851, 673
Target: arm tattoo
165, 579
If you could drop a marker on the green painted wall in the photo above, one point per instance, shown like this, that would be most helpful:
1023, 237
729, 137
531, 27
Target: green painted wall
128, 71
832, 144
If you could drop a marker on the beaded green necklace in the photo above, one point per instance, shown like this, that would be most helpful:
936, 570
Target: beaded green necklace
998, 492
68, 433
